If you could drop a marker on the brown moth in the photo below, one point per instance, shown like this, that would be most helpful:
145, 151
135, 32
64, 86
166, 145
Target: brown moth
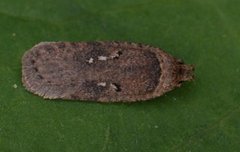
101, 71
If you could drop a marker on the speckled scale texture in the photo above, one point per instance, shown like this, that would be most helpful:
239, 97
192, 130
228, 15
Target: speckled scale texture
101, 71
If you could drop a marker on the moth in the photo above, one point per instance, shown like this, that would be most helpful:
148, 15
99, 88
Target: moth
99, 71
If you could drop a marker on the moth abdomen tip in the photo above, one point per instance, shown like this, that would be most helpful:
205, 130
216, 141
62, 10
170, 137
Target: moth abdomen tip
186, 72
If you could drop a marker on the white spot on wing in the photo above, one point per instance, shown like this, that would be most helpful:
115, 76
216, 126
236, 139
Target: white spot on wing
103, 84
90, 60
102, 58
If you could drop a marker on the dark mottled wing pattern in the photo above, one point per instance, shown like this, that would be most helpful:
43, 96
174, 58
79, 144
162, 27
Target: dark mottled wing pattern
65, 70
96, 71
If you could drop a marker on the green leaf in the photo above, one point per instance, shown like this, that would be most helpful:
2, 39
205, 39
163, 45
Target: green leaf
200, 116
